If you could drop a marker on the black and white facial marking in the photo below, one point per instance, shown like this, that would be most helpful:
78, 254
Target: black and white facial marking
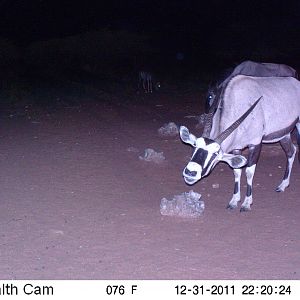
206, 155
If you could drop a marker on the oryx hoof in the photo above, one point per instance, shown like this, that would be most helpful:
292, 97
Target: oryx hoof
231, 206
245, 209
279, 189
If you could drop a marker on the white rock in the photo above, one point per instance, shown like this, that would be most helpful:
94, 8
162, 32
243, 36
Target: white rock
152, 156
170, 129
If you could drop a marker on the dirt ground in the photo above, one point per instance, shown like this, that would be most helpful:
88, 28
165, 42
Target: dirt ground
76, 204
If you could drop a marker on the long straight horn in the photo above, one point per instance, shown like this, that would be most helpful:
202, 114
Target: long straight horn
222, 136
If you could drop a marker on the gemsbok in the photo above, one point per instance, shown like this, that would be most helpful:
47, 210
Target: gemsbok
249, 111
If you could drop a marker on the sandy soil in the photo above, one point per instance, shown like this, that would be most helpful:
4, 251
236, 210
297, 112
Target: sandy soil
76, 204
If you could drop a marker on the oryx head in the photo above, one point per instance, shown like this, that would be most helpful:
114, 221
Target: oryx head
208, 152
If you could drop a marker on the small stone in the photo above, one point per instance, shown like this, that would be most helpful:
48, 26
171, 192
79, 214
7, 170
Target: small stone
152, 156
170, 129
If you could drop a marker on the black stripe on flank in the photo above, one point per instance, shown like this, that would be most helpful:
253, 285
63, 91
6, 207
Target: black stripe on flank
280, 133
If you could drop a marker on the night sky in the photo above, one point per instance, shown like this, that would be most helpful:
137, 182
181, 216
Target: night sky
269, 29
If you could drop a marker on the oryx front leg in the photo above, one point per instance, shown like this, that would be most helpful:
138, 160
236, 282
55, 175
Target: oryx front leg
290, 151
248, 199
254, 152
237, 189
237, 185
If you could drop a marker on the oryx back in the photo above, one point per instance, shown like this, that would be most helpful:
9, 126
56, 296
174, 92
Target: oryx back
277, 111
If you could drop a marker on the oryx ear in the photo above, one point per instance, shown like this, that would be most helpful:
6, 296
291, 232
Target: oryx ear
234, 161
186, 136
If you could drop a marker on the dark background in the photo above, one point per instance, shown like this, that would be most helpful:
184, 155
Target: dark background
107, 41
76, 200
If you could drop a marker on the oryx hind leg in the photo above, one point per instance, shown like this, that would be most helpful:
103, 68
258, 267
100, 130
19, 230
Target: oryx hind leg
290, 150
254, 152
